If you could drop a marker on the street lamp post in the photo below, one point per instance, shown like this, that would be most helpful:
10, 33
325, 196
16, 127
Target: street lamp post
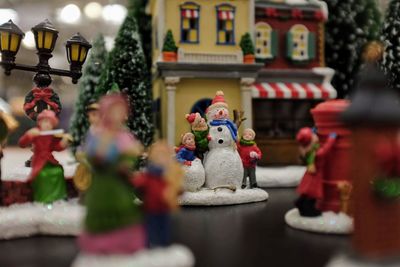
42, 96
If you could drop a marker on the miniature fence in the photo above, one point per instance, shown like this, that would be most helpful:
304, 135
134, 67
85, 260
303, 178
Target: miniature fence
212, 58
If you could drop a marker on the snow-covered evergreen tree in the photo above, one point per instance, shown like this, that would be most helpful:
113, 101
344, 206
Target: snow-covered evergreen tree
87, 86
391, 39
351, 24
126, 66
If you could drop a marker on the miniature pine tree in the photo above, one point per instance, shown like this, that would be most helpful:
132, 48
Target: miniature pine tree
169, 43
247, 44
391, 57
145, 30
351, 24
126, 67
88, 83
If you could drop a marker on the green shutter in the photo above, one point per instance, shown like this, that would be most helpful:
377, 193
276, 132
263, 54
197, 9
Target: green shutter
311, 45
275, 43
289, 45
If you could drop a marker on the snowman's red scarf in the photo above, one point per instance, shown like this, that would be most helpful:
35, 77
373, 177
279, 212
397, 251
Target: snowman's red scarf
231, 126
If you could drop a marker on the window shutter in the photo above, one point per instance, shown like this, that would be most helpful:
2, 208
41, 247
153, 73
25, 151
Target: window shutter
289, 45
274, 43
311, 45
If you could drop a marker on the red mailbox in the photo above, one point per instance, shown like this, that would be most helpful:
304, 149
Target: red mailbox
326, 118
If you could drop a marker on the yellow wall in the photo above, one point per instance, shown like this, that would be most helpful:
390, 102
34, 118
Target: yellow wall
208, 24
189, 91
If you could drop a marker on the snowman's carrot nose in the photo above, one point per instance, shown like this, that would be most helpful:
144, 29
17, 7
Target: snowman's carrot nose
221, 112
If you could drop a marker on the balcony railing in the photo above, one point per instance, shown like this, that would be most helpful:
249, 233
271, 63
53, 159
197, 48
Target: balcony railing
211, 57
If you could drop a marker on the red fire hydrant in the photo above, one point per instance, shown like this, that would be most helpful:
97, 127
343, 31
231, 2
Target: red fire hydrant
336, 184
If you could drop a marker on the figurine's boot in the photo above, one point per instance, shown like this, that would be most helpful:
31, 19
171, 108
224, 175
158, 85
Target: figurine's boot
307, 207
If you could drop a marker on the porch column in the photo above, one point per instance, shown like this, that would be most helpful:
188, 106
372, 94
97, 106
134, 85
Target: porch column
247, 106
170, 84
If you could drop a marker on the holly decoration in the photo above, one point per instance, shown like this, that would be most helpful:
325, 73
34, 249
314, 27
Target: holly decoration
87, 86
126, 67
247, 44
387, 188
169, 43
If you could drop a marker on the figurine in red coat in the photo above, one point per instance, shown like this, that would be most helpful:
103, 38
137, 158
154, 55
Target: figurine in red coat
250, 154
47, 175
314, 156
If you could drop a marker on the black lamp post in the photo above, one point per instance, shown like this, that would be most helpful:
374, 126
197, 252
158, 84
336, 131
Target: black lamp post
42, 97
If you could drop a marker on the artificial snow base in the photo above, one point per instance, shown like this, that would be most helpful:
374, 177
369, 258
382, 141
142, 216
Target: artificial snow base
173, 256
347, 261
327, 223
24, 220
219, 197
289, 176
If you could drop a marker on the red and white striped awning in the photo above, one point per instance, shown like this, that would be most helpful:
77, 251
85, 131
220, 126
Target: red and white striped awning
190, 13
293, 91
225, 15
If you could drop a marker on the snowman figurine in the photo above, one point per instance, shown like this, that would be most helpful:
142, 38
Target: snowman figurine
222, 164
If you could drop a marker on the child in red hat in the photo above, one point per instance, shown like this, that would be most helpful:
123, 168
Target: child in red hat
310, 188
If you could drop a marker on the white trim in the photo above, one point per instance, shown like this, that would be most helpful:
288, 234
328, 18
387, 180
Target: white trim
161, 23
252, 20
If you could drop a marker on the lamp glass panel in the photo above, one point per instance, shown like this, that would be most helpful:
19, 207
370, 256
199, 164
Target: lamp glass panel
83, 54
74, 52
40, 39
5, 41
48, 40
15, 40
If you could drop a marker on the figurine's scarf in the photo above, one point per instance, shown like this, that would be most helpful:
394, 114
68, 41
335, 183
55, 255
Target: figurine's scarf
247, 142
231, 126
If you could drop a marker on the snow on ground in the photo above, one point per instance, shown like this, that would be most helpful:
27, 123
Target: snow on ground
289, 176
13, 164
24, 220
328, 223
218, 197
172, 256
346, 261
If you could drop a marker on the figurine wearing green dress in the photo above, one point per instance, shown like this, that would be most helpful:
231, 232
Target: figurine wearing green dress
47, 175
113, 222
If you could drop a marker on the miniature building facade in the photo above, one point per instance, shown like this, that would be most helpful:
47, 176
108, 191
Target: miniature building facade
209, 59
276, 93
289, 41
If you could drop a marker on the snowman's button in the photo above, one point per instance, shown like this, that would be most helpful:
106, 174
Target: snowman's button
219, 129
220, 141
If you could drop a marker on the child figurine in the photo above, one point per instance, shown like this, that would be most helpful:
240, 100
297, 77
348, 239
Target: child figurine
185, 154
113, 220
47, 175
310, 188
159, 185
83, 177
250, 154
199, 128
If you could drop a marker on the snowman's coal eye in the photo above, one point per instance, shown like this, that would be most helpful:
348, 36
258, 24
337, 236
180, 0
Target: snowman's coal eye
219, 129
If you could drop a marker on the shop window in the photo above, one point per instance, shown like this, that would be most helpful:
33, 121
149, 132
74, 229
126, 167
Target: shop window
281, 119
190, 16
300, 43
201, 106
225, 24
266, 41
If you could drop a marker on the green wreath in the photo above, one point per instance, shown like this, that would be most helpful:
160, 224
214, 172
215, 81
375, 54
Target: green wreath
387, 187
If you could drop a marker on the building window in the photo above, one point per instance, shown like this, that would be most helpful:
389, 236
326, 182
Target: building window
266, 41
190, 16
225, 24
201, 106
300, 43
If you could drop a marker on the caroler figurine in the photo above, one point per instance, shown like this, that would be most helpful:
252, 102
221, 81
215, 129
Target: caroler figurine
159, 186
250, 154
199, 128
310, 188
113, 221
47, 175
83, 177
